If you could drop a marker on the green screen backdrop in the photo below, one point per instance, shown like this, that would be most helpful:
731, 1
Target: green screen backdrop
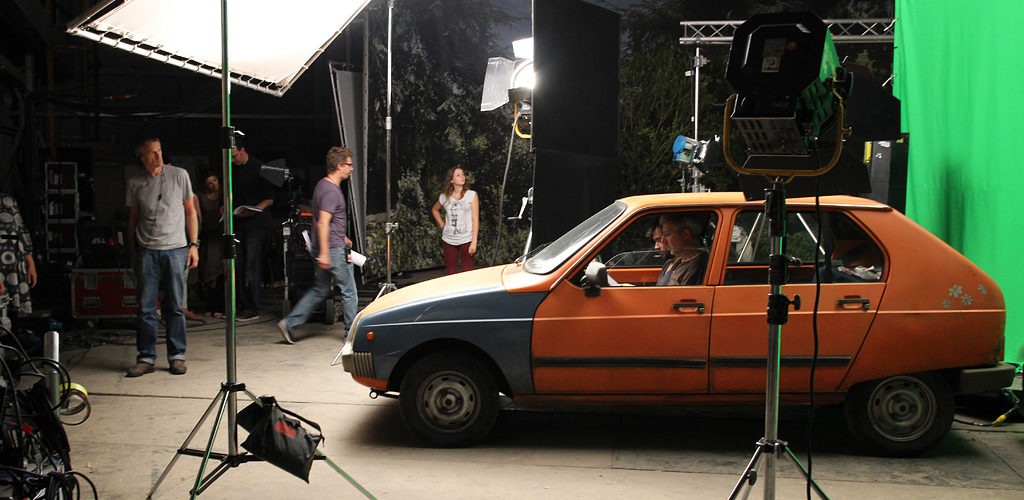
960, 76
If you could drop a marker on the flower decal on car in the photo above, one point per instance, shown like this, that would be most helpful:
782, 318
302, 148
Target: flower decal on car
957, 292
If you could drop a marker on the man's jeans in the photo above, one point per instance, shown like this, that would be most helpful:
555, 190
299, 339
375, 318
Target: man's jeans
341, 271
158, 270
249, 273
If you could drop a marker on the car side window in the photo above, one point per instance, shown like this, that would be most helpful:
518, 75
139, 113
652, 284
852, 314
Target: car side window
634, 246
634, 256
846, 253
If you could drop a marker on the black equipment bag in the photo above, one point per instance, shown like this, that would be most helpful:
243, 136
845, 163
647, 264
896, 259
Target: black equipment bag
278, 439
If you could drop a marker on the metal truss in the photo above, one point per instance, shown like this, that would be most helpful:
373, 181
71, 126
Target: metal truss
843, 31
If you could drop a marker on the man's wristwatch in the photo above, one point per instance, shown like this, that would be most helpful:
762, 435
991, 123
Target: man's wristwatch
194, 244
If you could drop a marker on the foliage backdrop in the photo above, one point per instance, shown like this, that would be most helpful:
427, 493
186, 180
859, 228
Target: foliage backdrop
439, 52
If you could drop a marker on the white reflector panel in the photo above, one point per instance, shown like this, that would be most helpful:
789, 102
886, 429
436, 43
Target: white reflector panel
270, 42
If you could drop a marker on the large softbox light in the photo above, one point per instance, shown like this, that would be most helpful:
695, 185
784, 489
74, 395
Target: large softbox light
272, 42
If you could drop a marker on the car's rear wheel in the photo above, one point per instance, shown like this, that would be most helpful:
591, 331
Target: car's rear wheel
449, 399
902, 415
330, 311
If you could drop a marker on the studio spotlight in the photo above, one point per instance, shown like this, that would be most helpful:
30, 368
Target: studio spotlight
685, 149
507, 80
789, 91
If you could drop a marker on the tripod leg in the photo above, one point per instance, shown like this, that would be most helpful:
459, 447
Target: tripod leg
220, 395
749, 474
387, 288
215, 474
251, 396
800, 466
213, 436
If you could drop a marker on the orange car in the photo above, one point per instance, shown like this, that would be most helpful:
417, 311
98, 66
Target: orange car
904, 322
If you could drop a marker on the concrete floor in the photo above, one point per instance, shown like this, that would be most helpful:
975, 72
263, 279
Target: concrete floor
137, 424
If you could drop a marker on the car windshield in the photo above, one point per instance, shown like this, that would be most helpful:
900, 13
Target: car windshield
558, 251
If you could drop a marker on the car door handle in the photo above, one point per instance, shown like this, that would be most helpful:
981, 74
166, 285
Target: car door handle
689, 305
864, 303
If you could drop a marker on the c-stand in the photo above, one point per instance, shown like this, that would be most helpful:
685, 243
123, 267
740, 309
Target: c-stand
389, 226
286, 234
787, 100
770, 446
226, 399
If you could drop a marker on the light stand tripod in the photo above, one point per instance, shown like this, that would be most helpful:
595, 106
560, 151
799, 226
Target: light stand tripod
782, 145
389, 226
226, 398
286, 235
770, 446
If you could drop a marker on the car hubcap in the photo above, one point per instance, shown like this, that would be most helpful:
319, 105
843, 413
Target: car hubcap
902, 408
449, 401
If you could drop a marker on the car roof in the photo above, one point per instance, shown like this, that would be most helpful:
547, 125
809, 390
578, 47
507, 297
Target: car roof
737, 198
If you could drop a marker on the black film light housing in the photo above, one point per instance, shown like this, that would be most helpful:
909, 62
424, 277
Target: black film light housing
275, 172
789, 92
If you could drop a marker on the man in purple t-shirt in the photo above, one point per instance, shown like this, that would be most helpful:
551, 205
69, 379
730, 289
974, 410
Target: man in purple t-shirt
330, 246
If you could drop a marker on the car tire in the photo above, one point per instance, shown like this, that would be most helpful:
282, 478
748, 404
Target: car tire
449, 399
330, 312
901, 416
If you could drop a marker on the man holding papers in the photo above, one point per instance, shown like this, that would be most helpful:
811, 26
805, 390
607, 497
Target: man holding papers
253, 195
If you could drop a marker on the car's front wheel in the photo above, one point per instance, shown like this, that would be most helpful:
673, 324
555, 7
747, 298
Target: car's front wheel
902, 415
449, 399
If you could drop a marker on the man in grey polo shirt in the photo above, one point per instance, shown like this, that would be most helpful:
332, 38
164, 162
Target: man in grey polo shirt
160, 212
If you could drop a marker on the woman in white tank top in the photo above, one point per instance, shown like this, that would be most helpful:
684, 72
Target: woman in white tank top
461, 222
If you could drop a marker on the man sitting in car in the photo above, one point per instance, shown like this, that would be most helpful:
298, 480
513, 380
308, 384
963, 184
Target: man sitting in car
681, 233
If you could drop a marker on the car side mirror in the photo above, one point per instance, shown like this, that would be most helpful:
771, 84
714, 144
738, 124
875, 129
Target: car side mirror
597, 277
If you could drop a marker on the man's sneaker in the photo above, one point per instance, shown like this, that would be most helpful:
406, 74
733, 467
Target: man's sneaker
178, 367
140, 369
247, 316
284, 332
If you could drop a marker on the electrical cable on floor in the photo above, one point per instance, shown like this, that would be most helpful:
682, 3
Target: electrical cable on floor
1001, 418
33, 431
501, 194
347, 477
10, 333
